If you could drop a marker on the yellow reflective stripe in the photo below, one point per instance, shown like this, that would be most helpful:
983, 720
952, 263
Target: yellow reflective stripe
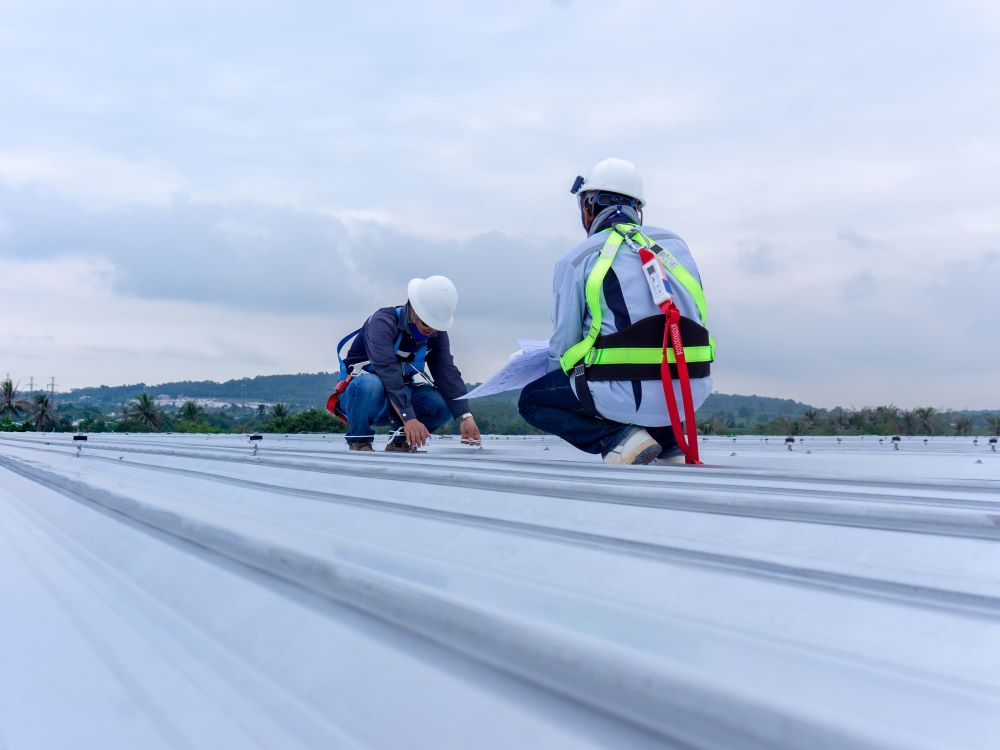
647, 355
593, 294
585, 348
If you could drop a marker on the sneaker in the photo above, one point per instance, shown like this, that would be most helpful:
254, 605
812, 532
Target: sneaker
635, 447
360, 445
672, 456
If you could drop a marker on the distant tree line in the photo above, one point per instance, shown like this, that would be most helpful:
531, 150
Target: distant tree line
495, 415
875, 420
143, 414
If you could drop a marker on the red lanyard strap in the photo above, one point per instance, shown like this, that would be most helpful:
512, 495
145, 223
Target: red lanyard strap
672, 337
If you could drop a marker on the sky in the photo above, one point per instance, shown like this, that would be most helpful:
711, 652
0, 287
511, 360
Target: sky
214, 190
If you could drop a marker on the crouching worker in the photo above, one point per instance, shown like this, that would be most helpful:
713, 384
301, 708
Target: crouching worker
613, 384
384, 372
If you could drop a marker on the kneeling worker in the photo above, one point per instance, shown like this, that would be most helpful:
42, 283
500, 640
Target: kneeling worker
387, 384
619, 295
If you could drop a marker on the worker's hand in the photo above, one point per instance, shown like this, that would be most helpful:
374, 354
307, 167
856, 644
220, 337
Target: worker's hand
416, 433
470, 431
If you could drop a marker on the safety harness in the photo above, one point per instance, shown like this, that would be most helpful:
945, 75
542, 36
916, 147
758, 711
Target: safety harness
687, 349
411, 363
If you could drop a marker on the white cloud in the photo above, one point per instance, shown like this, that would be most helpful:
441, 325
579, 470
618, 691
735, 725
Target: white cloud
65, 320
825, 163
91, 179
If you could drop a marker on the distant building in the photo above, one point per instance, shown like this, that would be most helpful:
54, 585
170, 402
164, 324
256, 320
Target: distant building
165, 400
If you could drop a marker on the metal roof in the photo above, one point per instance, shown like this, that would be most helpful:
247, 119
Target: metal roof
184, 591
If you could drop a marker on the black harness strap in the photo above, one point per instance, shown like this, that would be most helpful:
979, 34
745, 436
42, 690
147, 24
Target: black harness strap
583, 391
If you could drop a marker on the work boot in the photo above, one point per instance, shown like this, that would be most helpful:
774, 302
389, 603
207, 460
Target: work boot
636, 446
364, 446
399, 445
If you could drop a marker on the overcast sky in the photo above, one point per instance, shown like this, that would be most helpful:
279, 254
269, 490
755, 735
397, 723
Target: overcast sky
222, 189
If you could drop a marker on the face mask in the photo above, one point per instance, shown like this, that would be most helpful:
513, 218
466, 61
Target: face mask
415, 332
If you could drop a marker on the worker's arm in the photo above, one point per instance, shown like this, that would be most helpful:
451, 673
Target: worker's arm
569, 305
451, 384
446, 375
380, 335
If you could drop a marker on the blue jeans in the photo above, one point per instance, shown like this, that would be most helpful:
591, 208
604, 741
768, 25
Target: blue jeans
550, 405
365, 405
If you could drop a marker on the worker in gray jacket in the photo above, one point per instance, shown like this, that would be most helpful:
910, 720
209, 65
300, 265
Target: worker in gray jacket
603, 391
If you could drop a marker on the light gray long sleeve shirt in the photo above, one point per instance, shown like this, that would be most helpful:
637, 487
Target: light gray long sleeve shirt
618, 400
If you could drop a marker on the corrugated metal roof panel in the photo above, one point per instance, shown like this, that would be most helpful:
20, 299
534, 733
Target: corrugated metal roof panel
175, 591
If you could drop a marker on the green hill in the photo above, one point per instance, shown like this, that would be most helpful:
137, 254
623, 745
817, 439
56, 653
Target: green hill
304, 390
310, 390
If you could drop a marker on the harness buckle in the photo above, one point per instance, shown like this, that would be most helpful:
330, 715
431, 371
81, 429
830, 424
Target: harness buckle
627, 238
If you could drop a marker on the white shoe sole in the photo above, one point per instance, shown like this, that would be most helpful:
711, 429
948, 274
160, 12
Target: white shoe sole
679, 459
635, 450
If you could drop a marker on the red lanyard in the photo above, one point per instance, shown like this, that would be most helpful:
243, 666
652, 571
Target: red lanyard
672, 337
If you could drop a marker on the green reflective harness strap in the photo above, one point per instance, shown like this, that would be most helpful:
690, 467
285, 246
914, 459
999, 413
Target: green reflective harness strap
619, 233
646, 355
593, 294
684, 277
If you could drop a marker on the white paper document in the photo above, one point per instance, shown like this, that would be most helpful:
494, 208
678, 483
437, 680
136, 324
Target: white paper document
524, 366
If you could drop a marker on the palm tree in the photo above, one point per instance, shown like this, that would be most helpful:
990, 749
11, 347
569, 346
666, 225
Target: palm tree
926, 419
793, 427
886, 419
190, 411
280, 414
811, 417
721, 424
993, 423
908, 422
963, 425
144, 411
43, 414
10, 404
860, 419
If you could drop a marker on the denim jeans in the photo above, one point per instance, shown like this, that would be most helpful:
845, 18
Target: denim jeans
365, 405
550, 405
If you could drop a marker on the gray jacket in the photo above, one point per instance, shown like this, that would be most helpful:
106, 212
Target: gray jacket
625, 299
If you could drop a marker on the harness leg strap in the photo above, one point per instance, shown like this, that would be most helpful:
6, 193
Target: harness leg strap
583, 391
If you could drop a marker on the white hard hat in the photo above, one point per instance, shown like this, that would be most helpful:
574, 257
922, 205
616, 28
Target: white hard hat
614, 176
434, 300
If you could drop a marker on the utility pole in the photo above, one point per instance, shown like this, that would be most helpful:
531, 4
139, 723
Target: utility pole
31, 386
52, 400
